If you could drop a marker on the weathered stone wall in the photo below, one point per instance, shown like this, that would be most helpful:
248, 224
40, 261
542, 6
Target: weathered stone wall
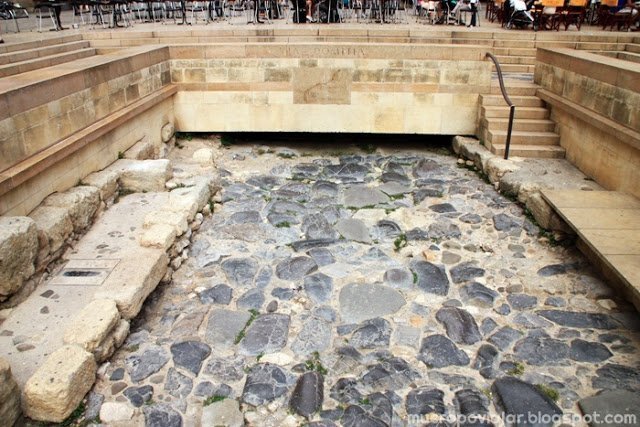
92, 157
9, 395
595, 102
334, 88
44, 111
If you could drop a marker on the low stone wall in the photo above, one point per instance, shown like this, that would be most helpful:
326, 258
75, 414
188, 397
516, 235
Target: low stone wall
595, 102
9, 395
356, 88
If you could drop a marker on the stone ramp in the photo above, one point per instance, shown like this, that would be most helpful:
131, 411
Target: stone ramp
608, 223
108, 252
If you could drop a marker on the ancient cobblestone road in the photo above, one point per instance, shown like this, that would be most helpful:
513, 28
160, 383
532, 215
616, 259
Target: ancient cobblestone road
364, 290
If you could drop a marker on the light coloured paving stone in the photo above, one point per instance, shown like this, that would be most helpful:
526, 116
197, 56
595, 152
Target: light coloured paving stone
114, 412
9, 395
142, 175
55, 223
92, 325
18, 250
204, 156
224, 413
610, 219
59, 384
159, 236
175, 219
613, 242
133, 280
106, 181
591, 199
141, 150
81, 202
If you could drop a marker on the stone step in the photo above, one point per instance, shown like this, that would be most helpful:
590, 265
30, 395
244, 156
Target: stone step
524, 137
520, 44
625, 56
528, 125
34, 44
48, 61
513, 89
532, 151
518, 100
526, 60
518, 68
41, 52
521, 113
508, 51
635, 48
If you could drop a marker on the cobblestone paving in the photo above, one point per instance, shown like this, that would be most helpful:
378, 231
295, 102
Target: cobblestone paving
367, 290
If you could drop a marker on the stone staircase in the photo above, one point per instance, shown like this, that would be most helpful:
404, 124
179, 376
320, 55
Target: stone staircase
23, 57
533, 133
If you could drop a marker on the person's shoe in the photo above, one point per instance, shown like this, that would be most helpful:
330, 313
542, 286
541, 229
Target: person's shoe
310, 19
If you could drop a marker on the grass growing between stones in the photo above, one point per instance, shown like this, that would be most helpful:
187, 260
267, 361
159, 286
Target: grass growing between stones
226, 141
314, 364
283, 224
548, 391
286, 155
254, 315
74, 416
400, 242
213, 399
517, 370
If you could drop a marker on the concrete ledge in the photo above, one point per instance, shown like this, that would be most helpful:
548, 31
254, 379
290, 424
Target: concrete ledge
18, 174
623, 133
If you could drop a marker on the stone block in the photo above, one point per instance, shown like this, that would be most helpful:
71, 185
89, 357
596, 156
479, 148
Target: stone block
190, 199
175, 219
133, 280
544, 214
142, 175
59, 384
54, 223
81, 202
159, 236
321, 86
18, 250
92, 325
141, 150
167, 132
204, 156
9, 395
106, 181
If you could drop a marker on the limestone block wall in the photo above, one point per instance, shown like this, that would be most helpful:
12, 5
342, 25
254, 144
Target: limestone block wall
328, 88
43, 109
595, 102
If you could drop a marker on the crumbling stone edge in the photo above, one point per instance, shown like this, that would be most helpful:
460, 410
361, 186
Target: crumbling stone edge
494, 168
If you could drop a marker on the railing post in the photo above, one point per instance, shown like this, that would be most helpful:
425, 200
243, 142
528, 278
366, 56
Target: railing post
512, 108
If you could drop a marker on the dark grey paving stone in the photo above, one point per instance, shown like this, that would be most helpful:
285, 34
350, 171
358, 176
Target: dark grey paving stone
316, 226
142, 365
556, 269
265, 382
522, 301
399, 278
190, 355
390, 374
218, 294
318, 287
240, 271
425, 168
226, 368
177, 384
246, 217
478, 294
362, 302
471, 218
485, 360
592, 352
161, 415
517, 398
460, 325
611, 404
321, 256
267, 334
575, 319
471, 402
465, 272
425, 400
251, 300
138, 396
372, 333
504, 337
438, 351
488, 325
325, 189
444, 229
224, 326
385, 229
539, 351
353, 229
431, 278
315, 335
264, 277
307, 245
295, 268
360, 196
613, 376
308, 394
504, 222
442, 208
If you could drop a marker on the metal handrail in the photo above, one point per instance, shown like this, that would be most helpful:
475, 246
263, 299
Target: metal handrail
512, 108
